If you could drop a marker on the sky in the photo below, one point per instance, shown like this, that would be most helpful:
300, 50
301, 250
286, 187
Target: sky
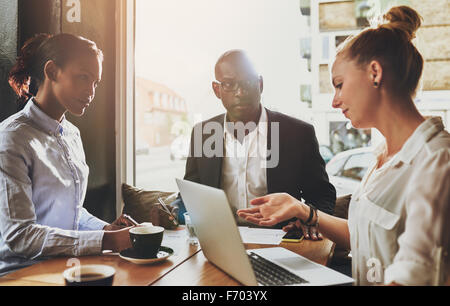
178, 43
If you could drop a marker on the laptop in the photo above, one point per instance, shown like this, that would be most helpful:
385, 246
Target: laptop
222, 245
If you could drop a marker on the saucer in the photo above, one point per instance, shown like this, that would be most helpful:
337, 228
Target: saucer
130, 255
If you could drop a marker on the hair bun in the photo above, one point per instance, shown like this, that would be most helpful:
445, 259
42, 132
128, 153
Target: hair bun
403, 19
19, 76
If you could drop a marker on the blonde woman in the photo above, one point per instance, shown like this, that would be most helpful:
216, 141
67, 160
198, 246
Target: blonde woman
398, 221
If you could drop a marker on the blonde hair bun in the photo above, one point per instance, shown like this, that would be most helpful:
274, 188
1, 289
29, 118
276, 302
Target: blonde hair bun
402, 19
389, 41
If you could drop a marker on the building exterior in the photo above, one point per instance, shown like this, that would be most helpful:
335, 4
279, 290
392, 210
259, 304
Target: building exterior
332, 21
158, 112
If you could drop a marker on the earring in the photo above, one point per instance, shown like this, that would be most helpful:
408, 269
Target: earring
376, 84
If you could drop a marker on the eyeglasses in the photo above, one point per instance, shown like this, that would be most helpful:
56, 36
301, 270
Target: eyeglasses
232, 86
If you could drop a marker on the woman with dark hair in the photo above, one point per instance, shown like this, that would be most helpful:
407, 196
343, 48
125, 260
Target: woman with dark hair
398, 222
43, 173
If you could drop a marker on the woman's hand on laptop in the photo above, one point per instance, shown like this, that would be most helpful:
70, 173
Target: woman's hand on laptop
273, 209
310, 232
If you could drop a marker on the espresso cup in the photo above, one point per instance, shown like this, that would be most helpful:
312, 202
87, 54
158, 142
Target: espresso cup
89, 275
146, 240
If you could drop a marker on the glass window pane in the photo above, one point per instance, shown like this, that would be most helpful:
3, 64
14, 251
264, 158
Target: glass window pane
175, 68
335, 165
325, 47
305, 7
340, 39
357, 165
305, 93
305, 47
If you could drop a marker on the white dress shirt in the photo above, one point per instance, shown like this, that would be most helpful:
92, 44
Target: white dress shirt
399, 218
244, 174
43, 182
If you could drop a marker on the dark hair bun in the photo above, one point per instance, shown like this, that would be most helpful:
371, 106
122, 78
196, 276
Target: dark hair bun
403, 19
22, 71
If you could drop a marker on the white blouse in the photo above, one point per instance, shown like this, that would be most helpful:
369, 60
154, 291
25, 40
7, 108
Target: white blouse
399, 217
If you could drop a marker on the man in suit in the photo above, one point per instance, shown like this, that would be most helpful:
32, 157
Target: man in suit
252, 151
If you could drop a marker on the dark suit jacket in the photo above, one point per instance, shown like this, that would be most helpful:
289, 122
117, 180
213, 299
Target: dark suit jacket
300, 171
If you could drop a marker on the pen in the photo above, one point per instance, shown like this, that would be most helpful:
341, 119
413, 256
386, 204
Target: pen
160, 200
135, 223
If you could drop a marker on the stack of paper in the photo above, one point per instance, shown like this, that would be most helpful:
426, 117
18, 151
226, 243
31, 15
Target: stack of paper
261, 235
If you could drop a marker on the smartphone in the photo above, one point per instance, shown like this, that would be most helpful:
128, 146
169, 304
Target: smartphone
293, 236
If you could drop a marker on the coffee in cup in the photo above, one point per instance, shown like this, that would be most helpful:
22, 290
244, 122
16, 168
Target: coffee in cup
89, 275
146, 240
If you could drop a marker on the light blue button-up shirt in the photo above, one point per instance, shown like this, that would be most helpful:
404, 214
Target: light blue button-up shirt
43, 182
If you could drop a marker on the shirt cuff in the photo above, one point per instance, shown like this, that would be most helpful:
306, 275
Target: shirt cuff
97, 224
90, 243
409, 273
88, 222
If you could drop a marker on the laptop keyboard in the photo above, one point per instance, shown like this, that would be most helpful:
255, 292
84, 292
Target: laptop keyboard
270, 274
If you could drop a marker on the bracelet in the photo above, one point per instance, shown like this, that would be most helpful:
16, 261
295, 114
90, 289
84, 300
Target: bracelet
312, 212
315, 224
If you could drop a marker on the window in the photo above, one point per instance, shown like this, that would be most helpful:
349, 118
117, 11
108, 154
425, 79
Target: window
305, 94
305, 7
356, 165
362, 8
305, 47
305, 50
174, 67
175, 61
344, 137
335, 165
339, 39
325, 47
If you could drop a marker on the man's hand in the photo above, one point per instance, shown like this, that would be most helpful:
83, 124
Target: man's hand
119, 224
116, 241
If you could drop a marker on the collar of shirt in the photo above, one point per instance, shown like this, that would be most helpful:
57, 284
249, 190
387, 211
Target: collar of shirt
44, 121
261, 128
423, 134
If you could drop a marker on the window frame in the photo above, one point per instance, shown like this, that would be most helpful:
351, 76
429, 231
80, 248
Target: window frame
125, 98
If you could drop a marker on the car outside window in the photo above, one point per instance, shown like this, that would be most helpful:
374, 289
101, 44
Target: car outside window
335, 166
356, 166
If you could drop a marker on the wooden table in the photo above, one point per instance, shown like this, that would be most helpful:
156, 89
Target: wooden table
187, 267
49, 273
198, 271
